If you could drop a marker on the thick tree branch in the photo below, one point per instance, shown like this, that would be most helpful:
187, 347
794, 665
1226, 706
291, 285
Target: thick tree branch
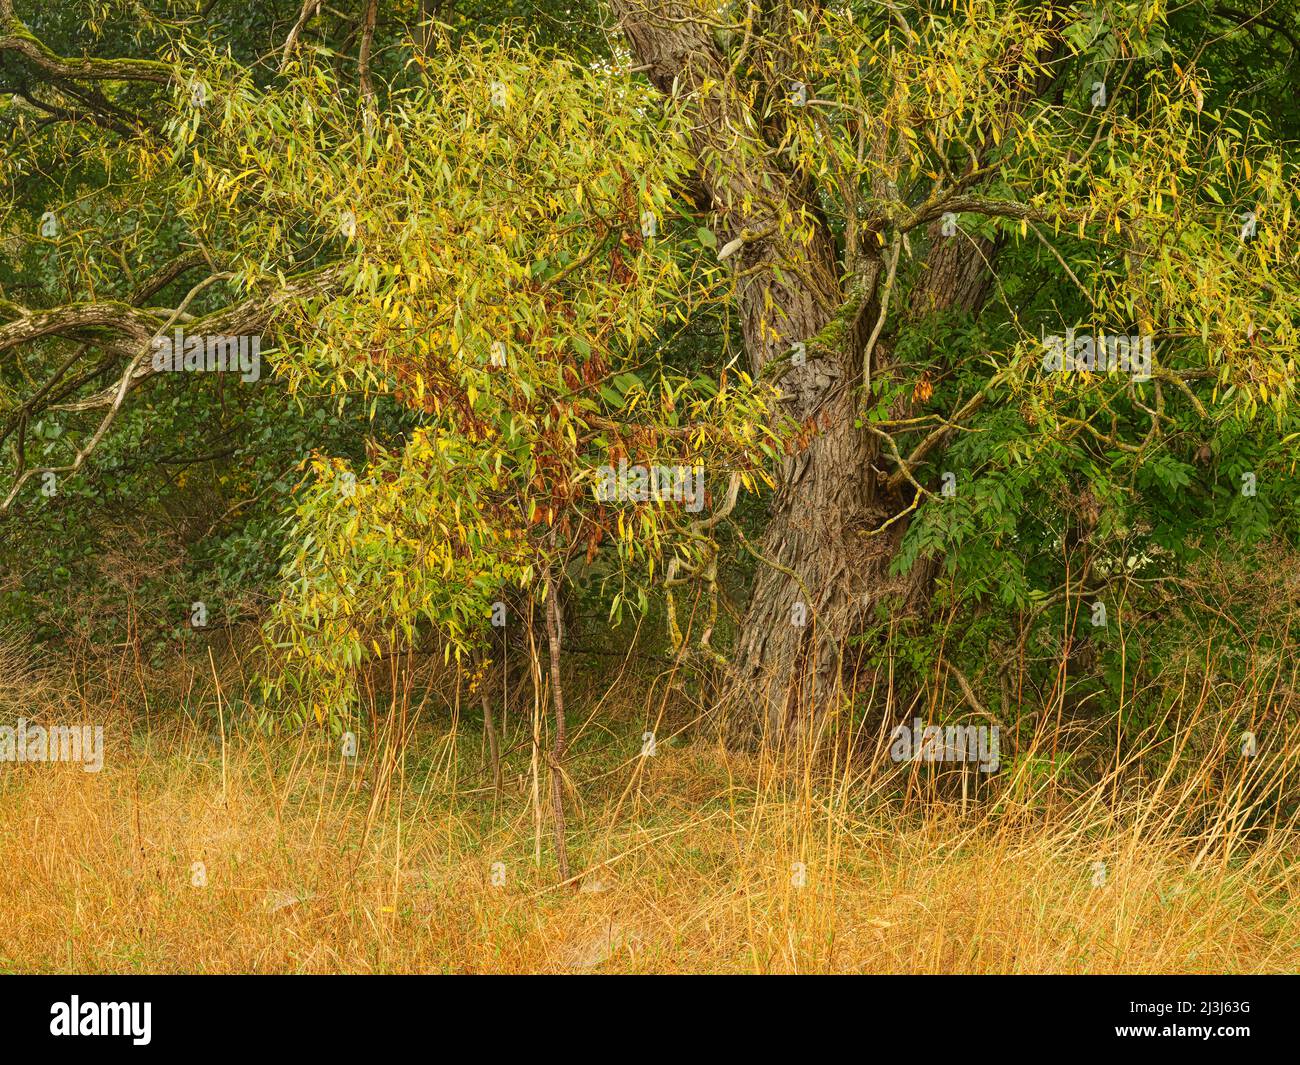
16, 37
128, 332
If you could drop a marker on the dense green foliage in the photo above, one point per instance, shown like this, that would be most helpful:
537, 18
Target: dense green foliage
484, 270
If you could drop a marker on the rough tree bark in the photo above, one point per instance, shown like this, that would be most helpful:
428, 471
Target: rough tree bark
833, 529
837, 522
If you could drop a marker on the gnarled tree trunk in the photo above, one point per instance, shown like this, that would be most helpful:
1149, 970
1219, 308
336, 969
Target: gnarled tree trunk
835, 525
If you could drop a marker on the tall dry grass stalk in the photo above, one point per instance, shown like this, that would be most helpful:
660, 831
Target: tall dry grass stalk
822, 856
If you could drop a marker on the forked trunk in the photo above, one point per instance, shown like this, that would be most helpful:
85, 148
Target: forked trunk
834, 528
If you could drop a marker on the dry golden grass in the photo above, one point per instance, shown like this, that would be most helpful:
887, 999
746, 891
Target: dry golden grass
689, 860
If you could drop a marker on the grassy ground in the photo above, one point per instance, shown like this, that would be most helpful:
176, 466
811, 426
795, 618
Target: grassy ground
693, 860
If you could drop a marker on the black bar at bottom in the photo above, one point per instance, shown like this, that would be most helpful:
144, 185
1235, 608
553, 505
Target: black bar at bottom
779, 1014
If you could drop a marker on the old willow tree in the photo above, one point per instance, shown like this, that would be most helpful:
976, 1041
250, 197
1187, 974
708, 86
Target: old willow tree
1005, 275
875, 168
